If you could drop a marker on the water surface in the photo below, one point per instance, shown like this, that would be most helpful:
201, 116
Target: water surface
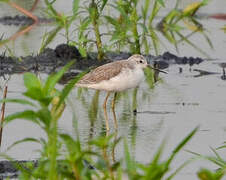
176, 105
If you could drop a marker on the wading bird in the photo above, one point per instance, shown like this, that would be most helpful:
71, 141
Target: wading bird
116, 77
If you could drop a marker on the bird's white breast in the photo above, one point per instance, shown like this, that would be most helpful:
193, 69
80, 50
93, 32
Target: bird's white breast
126, 79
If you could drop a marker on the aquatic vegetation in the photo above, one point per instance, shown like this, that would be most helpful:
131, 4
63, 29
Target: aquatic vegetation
126, 25
157, 168
61, 21
49, 105
62, 156
218, 160
172, 28
206, 174
131, 27
95, 10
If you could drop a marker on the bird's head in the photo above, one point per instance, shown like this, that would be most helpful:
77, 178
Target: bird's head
139, 61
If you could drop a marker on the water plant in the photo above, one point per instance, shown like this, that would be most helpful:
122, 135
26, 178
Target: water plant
95, 10
62, 22
218, 160
125, 26
131, 27
63, 156
49, 105
157, 168
172, 28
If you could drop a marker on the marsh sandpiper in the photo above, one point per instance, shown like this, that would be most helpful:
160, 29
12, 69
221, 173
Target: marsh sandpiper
116, 77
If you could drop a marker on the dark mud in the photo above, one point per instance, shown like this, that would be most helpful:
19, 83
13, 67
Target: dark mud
47, 62
10, 169
50, 60
22, 20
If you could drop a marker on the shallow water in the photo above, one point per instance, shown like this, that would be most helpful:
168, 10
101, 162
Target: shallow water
177, 104
172, 109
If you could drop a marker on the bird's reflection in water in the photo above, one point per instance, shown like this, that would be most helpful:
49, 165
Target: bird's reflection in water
122, 113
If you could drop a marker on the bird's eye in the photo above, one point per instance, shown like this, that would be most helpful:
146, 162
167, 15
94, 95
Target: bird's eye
141, 61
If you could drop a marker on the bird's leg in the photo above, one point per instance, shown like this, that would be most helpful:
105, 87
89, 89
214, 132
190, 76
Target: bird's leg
135, 101
223, 72
27, 13
114, 146
105, 111
115, 124
113, 110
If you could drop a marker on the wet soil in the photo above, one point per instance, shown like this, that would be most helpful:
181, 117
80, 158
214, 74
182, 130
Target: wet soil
22, 20
8, 169
50, 60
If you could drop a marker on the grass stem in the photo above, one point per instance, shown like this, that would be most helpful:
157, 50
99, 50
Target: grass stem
94, 14
3, 112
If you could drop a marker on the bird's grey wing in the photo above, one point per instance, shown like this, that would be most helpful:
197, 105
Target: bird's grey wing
101, 73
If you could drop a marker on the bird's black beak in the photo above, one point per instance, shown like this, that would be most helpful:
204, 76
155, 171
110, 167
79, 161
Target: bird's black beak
156, 69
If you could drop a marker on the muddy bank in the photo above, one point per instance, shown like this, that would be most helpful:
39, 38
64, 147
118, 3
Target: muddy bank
8, 169
22, 20
51, 59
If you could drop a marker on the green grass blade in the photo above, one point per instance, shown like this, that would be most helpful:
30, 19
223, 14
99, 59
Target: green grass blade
73, 147
112, 21
23, 141
149, 77
50, 7
49, 39
19, 101
104, 2
94, 107
145, 9
67, 89
155, 41
130, 164
182, 144
45, 117
161, 2
217, 155
193, 45
180, 168
29, 115
75, 7
157, 155
53, 79
37, 95
154, 12
208, 40
175, 44
32, 81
